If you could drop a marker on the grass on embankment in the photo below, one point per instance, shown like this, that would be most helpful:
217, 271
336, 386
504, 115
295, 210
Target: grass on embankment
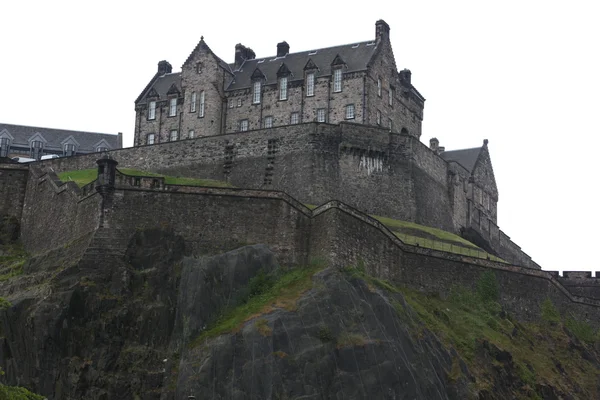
467, 319
17, 393
267, 291
85, 176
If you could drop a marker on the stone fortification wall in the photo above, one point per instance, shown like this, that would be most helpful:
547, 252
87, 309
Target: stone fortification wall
376, 171
359, 240
581, 283
213, 220
54, 214
13, 183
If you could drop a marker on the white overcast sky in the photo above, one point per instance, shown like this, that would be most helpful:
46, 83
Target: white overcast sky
524, 74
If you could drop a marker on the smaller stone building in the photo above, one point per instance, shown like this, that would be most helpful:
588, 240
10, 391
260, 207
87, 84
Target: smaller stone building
35, 142
357, 82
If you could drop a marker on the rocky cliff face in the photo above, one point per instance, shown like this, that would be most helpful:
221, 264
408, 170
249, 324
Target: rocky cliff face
157, 325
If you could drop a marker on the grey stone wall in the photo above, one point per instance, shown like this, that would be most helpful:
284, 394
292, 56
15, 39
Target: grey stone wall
376, 171
581, 283
54, 214
13, 183
406, 111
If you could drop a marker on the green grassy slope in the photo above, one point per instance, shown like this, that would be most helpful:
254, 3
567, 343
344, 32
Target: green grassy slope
85, 176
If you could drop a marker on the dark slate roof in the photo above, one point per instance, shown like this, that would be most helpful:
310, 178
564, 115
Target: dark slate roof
55, 138
465, 157
161, 85
356, 56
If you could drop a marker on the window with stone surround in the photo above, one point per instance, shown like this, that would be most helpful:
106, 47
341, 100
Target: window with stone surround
172, 107
268, 122
391, 96
337, 80
231, 103
256, 92
378, 117
379, 87
310, 84
201, 110
350, 111
152, 110
243, 125
4, 146
37, 149
321, 115
239, 102
174, 135
191, 134
283, 81
294, 118
150, 139
193, 102
390, 124
69, 150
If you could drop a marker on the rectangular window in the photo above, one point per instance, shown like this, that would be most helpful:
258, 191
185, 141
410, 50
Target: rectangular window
390, 122
310, 84
191, 134
391, 94
4, 147
350, 111
69, 150
231, 103
239, 102
172, 107
152, 110
173, 137
201, 111
321, 115
150, 138
294, 118
37, 149
337, 80
243, 125
378, 117
193, 102
379, 87
283, 88
268, 122
256, 94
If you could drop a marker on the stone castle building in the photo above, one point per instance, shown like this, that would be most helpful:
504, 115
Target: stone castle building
35, 142
357, 82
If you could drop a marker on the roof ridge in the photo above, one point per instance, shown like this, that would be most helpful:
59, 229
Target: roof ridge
320, 48
56, 129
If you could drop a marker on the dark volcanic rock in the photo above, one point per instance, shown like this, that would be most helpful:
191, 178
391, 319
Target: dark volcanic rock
344, 341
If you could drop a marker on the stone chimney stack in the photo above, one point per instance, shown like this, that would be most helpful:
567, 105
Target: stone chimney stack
243, 53
382, 31
283, 48
434, 144
405, 77
164, 67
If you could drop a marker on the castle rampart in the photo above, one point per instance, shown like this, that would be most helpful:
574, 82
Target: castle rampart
13, 185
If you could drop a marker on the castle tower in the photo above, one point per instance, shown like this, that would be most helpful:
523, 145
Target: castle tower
107, 169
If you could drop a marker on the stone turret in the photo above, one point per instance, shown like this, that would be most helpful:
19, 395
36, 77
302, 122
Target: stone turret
107, 170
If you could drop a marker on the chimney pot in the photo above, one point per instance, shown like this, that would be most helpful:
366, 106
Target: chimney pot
164, 67
283, 48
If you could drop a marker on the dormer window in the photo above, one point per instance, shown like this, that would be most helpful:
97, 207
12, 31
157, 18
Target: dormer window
100, 149
173, 107
256, 92
152, 110
310, 84
37, 149
193, 102
4, 146
337, 80
283, 81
